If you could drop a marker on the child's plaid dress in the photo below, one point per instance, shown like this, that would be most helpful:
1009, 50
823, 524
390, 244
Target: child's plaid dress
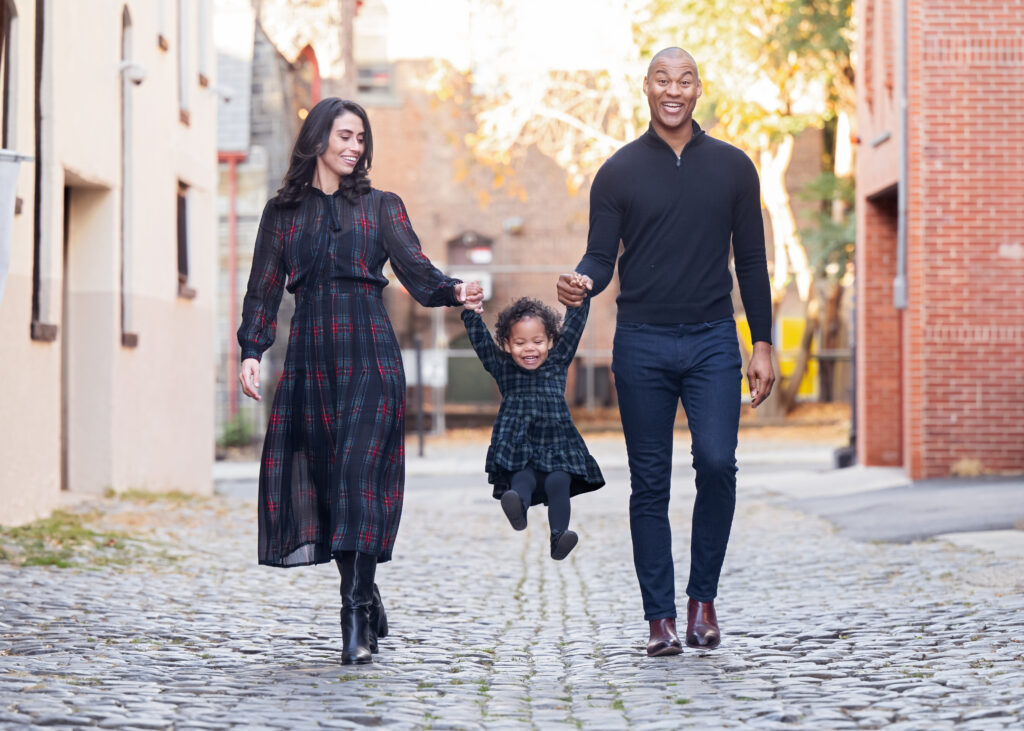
332, 475
534, 427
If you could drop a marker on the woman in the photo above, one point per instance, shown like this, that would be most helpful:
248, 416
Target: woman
333, 467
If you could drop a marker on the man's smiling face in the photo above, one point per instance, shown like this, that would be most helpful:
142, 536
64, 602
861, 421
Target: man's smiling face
672, 87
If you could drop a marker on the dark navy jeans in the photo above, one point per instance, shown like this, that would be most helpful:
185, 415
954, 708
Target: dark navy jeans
655, 366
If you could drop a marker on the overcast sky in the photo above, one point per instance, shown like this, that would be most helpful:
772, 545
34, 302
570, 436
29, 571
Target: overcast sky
531, 34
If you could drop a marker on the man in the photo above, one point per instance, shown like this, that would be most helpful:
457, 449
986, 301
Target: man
676, 198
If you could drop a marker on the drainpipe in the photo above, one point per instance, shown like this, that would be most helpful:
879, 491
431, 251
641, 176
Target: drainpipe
232, 159
899, 284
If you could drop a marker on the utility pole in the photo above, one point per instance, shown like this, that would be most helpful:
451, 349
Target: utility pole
349, 80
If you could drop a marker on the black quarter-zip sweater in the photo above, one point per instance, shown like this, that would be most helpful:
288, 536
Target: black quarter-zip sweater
676, 217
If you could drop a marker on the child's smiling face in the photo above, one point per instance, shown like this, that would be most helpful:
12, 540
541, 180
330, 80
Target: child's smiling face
528, 343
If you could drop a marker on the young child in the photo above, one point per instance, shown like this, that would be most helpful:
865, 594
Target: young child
536, 453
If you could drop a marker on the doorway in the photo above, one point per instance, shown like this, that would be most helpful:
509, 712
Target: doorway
88, 328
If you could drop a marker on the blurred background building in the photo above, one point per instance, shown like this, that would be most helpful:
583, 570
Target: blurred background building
427, 75
282, 62
940, 236
106, 321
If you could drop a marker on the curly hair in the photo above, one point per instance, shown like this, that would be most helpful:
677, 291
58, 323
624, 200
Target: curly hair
521, 309
312, 141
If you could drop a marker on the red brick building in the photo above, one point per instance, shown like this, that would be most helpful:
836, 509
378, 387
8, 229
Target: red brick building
940, 270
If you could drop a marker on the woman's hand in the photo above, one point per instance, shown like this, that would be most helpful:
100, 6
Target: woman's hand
471, 295
249, 377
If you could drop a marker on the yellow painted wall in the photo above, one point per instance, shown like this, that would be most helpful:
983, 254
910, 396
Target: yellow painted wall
788, 334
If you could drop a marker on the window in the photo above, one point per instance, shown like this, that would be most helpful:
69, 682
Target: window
184, 290
376, 83
375, 71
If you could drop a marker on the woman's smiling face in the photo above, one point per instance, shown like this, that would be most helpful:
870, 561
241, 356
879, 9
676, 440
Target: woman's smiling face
528, 343
345, 145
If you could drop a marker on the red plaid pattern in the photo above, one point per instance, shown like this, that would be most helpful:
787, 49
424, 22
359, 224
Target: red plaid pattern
332, 476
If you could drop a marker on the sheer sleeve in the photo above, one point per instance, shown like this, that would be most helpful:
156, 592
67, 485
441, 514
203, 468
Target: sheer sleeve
266, 285
484, 345
572, 331
425, 282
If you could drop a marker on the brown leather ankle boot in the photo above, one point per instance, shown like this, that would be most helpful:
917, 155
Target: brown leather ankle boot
702, 625
664, 640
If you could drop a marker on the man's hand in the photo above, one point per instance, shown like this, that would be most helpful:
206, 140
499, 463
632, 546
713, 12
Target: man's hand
471, 295
572, 288
760, 374
249, 377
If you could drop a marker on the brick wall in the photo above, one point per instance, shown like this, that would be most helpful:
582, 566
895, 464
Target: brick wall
962, 339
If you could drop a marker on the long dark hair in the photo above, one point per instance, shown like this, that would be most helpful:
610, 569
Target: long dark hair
312, 141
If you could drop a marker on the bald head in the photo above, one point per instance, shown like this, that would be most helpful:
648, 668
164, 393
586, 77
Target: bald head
672, 53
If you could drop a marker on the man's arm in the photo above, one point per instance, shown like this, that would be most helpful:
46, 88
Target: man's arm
749, 251
606, 221
752, 275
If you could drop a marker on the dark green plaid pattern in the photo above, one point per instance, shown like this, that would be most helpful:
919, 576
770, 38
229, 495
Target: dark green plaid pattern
534, 427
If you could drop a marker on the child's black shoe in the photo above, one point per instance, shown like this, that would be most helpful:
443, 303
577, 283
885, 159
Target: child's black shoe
562, 542
514, 511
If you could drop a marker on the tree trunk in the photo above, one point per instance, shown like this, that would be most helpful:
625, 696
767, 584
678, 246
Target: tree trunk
348, 84
790, 258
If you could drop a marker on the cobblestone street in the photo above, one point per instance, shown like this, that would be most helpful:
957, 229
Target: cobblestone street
819, 631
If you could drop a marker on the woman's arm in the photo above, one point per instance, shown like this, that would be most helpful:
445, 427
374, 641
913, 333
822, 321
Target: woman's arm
425, 282
484, 345
266, 285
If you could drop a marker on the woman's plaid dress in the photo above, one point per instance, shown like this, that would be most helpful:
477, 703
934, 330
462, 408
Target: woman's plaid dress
534, 427
332, 476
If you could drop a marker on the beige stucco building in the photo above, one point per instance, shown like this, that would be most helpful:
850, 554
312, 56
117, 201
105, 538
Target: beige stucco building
106, 317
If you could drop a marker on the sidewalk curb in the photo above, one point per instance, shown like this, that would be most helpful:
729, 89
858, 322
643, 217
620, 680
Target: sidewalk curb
469, 458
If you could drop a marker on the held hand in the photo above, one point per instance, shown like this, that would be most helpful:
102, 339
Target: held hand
471, 295
582, 280
249, 377
760, 374
572, 289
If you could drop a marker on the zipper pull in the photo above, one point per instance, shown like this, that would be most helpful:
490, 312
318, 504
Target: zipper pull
679, 160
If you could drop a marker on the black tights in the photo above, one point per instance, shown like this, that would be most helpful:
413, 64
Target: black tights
555, 484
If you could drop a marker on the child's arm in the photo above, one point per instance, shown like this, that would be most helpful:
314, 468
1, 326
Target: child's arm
572, 330
483, 343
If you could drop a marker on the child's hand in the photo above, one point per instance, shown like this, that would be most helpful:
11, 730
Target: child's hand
471, 295
582, 281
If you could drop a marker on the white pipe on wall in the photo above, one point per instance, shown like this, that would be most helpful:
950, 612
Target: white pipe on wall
899, 285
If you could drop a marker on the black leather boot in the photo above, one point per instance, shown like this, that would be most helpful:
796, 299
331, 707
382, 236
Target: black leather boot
378, 619
357, 571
